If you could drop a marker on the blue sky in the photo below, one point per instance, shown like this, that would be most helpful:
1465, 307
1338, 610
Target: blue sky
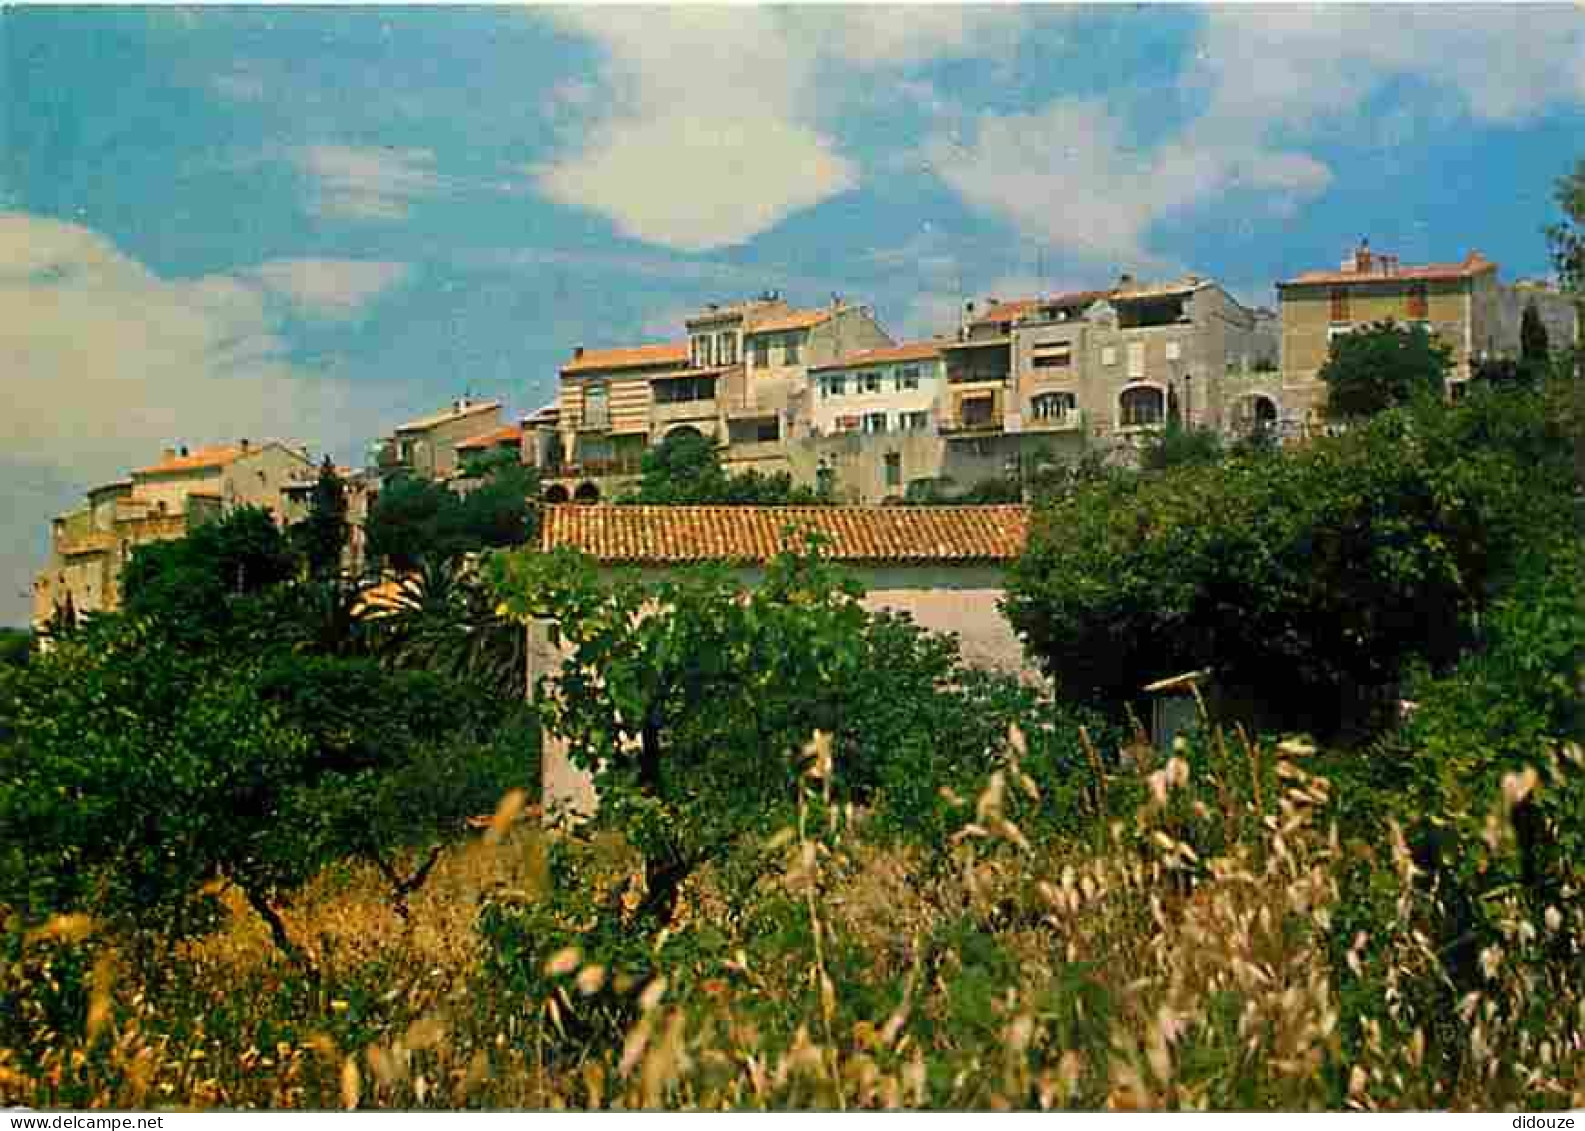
315, 223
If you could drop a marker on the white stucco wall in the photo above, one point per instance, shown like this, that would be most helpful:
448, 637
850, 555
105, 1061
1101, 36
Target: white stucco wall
962, 600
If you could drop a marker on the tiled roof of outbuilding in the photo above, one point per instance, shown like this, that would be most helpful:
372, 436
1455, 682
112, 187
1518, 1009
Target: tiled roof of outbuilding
674, 535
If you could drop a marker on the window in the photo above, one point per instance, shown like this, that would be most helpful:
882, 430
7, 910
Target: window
596, 407
894, 469
696, 351
790, 350
1141, 407
705, 353
870, 383
1174, 351
1108, 355
1054, 406
761, 353
976, 411
680, 390
1339, 304
908, 378
914, 421
874, 422
767, 430
1419, 301
838, 384
1053, 355
726, 347
1136, 359
847, 423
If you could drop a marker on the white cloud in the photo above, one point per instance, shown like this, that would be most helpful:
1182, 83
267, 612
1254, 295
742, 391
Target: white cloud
1271, 81
335, 290
361, 183
107, 361
711, 133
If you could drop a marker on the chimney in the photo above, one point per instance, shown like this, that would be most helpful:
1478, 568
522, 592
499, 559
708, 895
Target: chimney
244, 443
167, 454
1124, 281
184, 449
577, 353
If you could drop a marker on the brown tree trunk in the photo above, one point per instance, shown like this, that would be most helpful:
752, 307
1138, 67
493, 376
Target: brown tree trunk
283, 940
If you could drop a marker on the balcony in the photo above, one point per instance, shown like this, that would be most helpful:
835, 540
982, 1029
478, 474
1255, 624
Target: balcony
671, 412
592, 468
1068, 420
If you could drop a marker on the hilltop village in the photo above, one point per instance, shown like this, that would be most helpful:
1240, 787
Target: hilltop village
826, 395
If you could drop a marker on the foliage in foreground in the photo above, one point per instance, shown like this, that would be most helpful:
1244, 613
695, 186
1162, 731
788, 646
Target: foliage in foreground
1213, 943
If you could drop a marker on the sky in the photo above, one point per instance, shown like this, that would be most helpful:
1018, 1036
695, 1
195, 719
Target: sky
316, 223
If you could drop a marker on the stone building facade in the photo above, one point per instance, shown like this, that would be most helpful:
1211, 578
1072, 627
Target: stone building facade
427, 447
90, 546
942, 566
1463, 304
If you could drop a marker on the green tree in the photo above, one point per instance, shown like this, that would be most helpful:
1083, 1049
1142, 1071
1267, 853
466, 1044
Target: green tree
1567, 242
1535, 351
444, 620
684, 469
412, 520
1306, 578
198, 585
1383, 365
323, 534
139, 772
16, 644
1179, 446
415, 520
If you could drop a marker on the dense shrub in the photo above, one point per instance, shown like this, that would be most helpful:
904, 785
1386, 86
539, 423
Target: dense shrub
1306, 578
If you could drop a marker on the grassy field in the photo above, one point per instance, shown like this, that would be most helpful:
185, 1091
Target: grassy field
1212, 941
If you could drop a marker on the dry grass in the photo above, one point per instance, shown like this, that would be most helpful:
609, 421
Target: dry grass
1139, 974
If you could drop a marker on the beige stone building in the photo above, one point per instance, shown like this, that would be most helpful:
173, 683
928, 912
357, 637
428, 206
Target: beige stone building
1462, 304
1046, 377
427, 447
942, 566
739, 379
91, 545
603, 418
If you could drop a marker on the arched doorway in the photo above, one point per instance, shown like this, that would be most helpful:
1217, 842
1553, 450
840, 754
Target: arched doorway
684, 430
556, 493
586, 493
1141, 406
1255, 412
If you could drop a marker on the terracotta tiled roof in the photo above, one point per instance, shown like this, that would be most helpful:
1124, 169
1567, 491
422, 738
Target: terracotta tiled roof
791, 320
1474, 264
511, 433
629, 357
673, 535
425, 423
908, 351
1007, 311
200, 460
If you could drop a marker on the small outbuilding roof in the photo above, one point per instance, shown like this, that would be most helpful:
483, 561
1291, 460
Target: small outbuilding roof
659, 535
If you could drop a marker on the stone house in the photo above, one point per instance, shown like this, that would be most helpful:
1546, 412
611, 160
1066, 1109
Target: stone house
737, 380
1462, 304
603, 418
90, 546
1044, 377
427, 447
943, 566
